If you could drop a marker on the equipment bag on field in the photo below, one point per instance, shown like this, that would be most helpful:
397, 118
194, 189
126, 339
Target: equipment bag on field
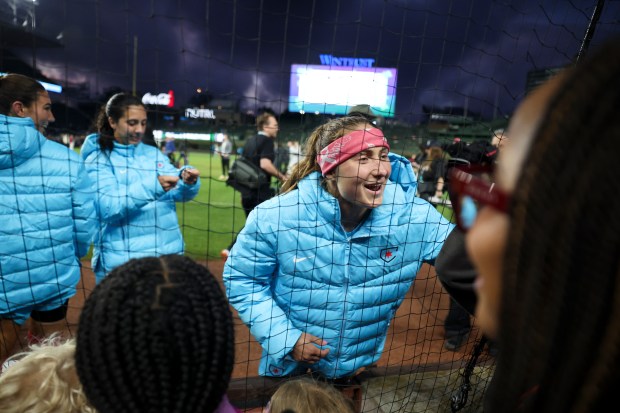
246, 174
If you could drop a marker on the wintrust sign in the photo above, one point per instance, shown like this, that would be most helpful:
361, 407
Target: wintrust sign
162, 99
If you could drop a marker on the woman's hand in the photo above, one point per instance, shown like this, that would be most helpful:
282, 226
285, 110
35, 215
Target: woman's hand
168, 182
306, 349
190, 176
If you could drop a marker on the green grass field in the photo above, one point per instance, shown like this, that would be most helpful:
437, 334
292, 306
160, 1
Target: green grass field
210, 221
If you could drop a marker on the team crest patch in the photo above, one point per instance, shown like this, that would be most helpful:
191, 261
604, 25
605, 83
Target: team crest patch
388, 254
275, 370
160, 165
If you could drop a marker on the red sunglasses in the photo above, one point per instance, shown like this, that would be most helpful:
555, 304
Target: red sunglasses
470, 188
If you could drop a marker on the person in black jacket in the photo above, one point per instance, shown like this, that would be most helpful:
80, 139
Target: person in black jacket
260, 149
457, 275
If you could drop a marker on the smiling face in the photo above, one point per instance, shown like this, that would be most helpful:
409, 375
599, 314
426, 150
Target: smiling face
486, 240
361, 180
129, 129
359, 183
40, 111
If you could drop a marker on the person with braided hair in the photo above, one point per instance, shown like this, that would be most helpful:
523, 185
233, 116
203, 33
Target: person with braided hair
156, 335
545, 240
318, 272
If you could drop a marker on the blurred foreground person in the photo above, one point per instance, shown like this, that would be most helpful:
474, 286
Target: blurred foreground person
156, 335
43, 379
306, 395
545, 238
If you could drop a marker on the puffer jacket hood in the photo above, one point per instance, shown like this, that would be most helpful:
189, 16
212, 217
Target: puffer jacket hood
19, 143
90, 145
402, 173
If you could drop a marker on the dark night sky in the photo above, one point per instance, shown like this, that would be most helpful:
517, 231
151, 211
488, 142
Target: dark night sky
448, 53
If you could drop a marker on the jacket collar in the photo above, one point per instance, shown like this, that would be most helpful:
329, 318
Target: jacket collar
91, 144
19, 141
126, 150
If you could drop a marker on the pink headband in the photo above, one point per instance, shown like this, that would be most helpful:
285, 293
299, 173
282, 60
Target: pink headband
347, 146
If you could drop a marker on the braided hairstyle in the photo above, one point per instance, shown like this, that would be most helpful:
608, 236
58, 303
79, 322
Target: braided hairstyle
319, 139
560, 318
156, 335
115, 108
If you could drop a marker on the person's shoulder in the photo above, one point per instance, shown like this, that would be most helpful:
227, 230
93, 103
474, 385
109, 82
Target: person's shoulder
253, 138
275, 204
289, 198
261, 137
147, 148
17, 122
90, 145
258, 139
249, 142
59, 150
288, 203
60, 160
424, 211
277, 213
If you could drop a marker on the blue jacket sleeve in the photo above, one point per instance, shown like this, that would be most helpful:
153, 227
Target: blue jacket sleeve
182, 192
248, 274
84, 220
114, 201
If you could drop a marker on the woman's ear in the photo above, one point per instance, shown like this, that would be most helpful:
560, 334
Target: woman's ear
112, 122
330, 181
17, 109
331, 175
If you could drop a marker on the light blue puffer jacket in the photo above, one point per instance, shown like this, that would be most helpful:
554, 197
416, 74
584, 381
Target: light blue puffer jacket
294, 269
46, 217
137, 218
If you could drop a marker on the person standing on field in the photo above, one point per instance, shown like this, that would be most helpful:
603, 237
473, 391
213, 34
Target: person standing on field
259, 149
225, 151
318, 272
137, 188
46, 213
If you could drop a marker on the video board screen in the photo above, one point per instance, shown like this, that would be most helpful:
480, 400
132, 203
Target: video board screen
335, 89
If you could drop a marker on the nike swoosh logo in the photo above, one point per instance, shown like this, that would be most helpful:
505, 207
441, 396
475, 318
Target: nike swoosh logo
300, 259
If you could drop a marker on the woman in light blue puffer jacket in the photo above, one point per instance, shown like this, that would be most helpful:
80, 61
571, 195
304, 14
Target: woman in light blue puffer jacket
46, 215
137, 188
318, 272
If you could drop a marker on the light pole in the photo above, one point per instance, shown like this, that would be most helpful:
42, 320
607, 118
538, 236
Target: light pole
135, 65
